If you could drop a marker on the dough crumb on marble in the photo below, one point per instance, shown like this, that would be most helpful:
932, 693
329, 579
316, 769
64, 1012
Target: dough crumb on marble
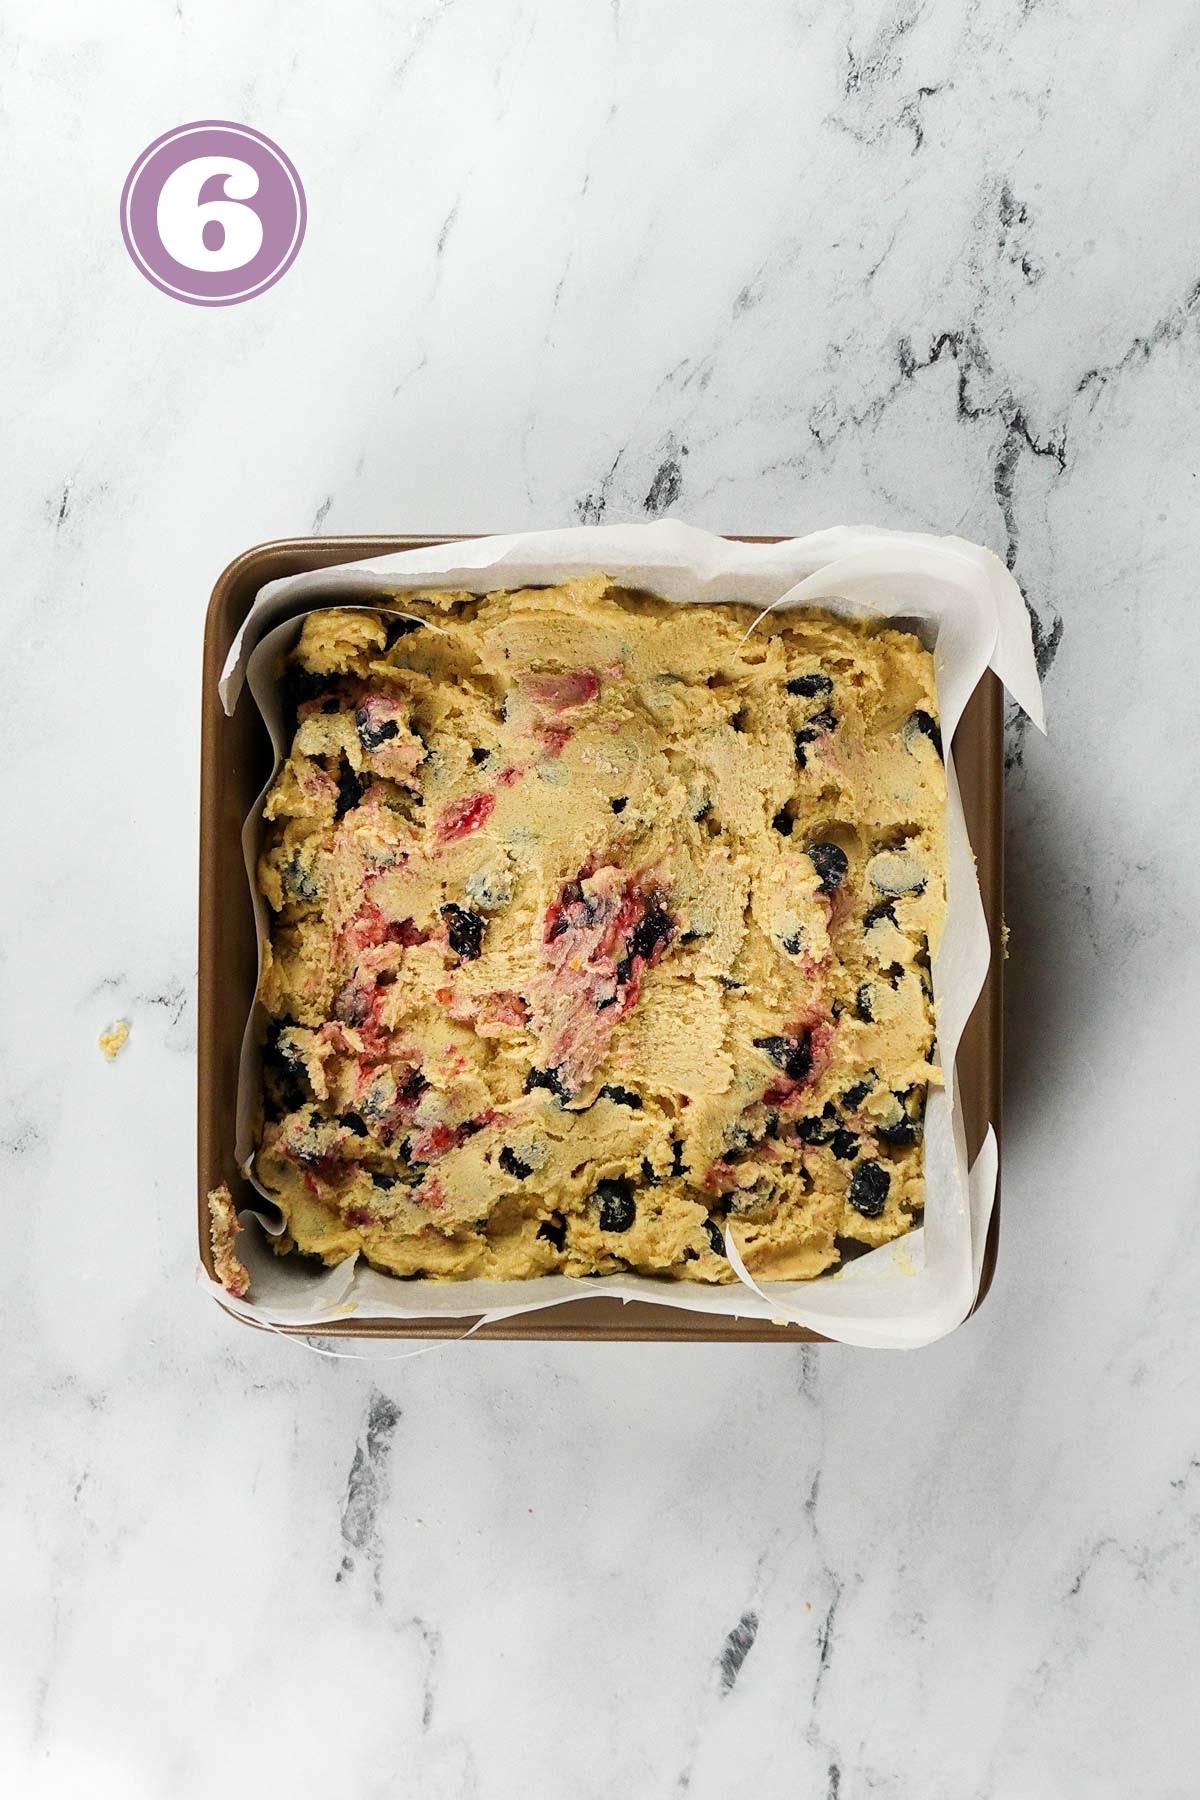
224, 1226
114, 1040
599, 926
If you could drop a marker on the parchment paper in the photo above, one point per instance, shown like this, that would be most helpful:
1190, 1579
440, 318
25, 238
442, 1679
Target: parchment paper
965, 605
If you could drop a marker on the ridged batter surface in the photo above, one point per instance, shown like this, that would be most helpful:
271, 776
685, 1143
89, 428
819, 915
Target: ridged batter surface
598, 926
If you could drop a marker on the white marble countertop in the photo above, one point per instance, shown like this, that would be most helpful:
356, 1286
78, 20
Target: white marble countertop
768, 267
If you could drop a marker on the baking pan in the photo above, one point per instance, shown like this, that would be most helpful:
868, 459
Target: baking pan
235, 760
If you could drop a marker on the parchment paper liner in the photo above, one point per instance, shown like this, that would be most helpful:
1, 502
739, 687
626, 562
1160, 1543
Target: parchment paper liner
961, 600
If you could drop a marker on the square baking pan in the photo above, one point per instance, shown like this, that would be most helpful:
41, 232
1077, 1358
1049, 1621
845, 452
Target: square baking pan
235, 762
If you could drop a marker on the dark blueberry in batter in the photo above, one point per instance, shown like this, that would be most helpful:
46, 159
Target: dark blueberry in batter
715, 1238
869, 1189
678, 1166
810, 685
554, 1230
547, 1078
619, 806
373, 733
829, 860
618, 1209
855, 1095
883, 909
802, 739
909, 1127
862, 1004
413, 1087
730, 985
299, 882
921, 722
655, 927
479, 755
791, 1054
512, 1165
844, 1144
813, 1131
783, 822
621, 1096
794, 944
383, 1181
398, 628
303, 684
648, 1175
824, 720
464, 930
355, 1122
351, 788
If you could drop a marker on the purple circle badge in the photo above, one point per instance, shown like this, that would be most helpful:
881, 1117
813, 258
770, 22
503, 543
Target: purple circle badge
213, 213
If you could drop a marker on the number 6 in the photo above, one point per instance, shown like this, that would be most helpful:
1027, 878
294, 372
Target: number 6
210, 235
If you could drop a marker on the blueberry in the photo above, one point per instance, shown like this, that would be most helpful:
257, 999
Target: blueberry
383, 1181
810, 685
883, 909
794, 944
791, 1054
465, 931
825, 720
618, 1209
354, 1122
554, 1230
854, 1096
803, 738
547, 1078
862, 1004
351, 788
648, 1175
413, 1086
619, 806
909, 1126
512, 1165
299, 882
730, 985
921, 724
656, 927
372, 733
301, 685
621, 1096
813, 1131
479, 755
844, 1144
869, 1189
829, 860
715, 1239
783, 822
398, 628
678, 1166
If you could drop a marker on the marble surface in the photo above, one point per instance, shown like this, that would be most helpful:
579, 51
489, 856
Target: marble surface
765, 267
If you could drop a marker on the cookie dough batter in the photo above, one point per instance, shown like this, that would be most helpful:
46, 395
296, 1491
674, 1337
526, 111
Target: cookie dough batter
600, 927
